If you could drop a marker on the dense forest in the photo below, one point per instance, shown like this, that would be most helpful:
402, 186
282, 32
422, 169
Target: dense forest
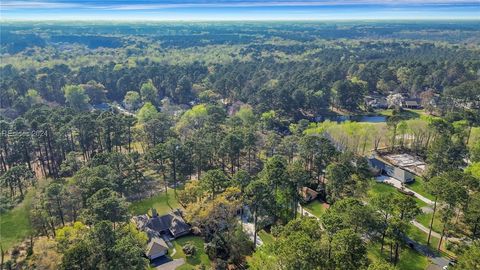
228, 122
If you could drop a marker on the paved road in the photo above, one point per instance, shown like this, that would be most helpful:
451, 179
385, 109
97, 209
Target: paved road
399, 185
425, 229
438, 262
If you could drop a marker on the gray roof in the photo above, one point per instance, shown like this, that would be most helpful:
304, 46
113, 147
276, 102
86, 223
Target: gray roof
155, 246
172, 222
411, 103
376, 163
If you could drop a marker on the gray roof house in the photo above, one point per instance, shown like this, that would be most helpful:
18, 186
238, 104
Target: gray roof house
412, 103
158, 228
171, 224
156, 248
385, 167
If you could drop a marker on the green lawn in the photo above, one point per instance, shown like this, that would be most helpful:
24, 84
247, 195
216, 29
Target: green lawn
406, 114
266, 237
15, 224
421, 237
409, 259
192, 262
377, 188
419, 186
425, 219
315, 207
474, 136
162, 202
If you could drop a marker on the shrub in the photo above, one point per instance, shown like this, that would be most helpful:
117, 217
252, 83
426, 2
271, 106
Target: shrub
189, 249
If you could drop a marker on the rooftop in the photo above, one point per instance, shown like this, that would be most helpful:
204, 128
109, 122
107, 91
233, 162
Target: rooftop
172, 223
155, 246
409, 162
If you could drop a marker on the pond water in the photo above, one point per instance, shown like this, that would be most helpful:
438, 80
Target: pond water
354, 118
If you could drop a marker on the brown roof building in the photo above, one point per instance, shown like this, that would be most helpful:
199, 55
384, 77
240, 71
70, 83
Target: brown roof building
308, 194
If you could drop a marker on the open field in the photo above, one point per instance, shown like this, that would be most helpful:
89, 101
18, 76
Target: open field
406, 113
15, 224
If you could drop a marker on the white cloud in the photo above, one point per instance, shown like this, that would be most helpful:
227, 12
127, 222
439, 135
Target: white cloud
36, 5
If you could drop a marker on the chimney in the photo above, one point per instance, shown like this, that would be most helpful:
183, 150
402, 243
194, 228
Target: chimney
154, 213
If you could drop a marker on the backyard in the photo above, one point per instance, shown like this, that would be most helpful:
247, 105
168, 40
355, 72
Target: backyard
163, 202
315, 207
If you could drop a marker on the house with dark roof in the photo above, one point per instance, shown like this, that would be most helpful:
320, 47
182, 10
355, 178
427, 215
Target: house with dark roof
376, 102
158, 228
412, 103
171, 225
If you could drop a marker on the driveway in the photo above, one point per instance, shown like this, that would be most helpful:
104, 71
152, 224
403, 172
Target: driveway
399, 185
248, 227
168, 264
440, 262
436, 259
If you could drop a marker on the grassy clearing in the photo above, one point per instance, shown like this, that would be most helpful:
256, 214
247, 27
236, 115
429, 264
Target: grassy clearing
200, 257
377, 188
419, 186
425, 219
164, 203
15, 224
266, 237
409, 259
474, 136
406, 114
421, 237
412, 260
315, 207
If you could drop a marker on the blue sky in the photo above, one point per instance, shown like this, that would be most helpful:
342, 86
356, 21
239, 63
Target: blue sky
204, 10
